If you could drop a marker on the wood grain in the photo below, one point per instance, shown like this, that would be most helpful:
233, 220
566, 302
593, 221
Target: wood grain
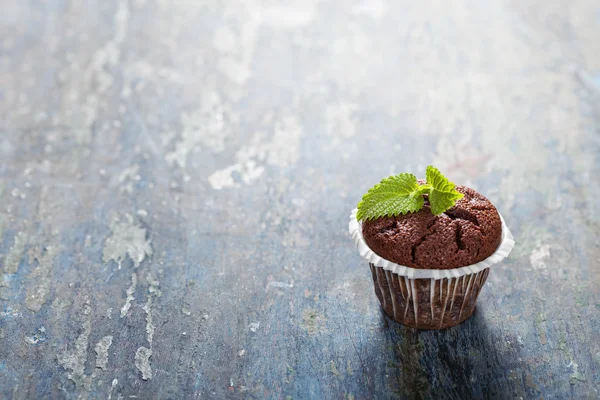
221, 145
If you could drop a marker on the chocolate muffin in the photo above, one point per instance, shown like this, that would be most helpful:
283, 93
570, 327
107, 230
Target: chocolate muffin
467, 233
430, 262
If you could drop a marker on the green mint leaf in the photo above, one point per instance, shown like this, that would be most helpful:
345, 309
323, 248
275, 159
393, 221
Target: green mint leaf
395, 195
443, 194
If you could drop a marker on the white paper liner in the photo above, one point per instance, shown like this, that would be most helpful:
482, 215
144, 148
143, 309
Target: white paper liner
503, 250
433, 308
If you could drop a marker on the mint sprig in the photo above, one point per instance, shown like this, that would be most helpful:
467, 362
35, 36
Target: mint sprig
395, 195
401, 194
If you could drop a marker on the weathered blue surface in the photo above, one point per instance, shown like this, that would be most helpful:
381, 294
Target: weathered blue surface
223, 145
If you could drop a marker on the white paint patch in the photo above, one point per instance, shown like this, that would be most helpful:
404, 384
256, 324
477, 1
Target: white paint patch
283, 285
75, 360
142, 362
15, 254
39, 336
128, 239
150, 328
154, 286
248, 173
114, 384
39, 279
143, 354
101, 350
254, 326
130, 292
281, 150
128, 178
539, 256
209, 126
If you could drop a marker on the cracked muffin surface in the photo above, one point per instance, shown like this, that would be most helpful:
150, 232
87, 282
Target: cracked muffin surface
467, 233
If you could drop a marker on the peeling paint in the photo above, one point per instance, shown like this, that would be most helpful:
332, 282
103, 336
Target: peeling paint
149, 324
114, 384
209, 126
39, 279
282, 285
128, 238
254, 326
280, 150
539, 256
143, 354
142, 362
128, 178
130, 292
249, 172
75, 359
38, 336
154, 286
101, 350
15, 254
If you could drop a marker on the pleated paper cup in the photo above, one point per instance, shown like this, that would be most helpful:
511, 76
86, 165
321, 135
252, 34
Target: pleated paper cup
428, 298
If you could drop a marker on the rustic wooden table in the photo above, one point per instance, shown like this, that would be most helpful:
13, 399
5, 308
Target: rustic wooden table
176, 179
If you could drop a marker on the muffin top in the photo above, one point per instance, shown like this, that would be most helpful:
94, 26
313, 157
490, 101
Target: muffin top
463, 235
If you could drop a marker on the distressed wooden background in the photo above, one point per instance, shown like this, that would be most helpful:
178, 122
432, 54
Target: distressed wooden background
176, 179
